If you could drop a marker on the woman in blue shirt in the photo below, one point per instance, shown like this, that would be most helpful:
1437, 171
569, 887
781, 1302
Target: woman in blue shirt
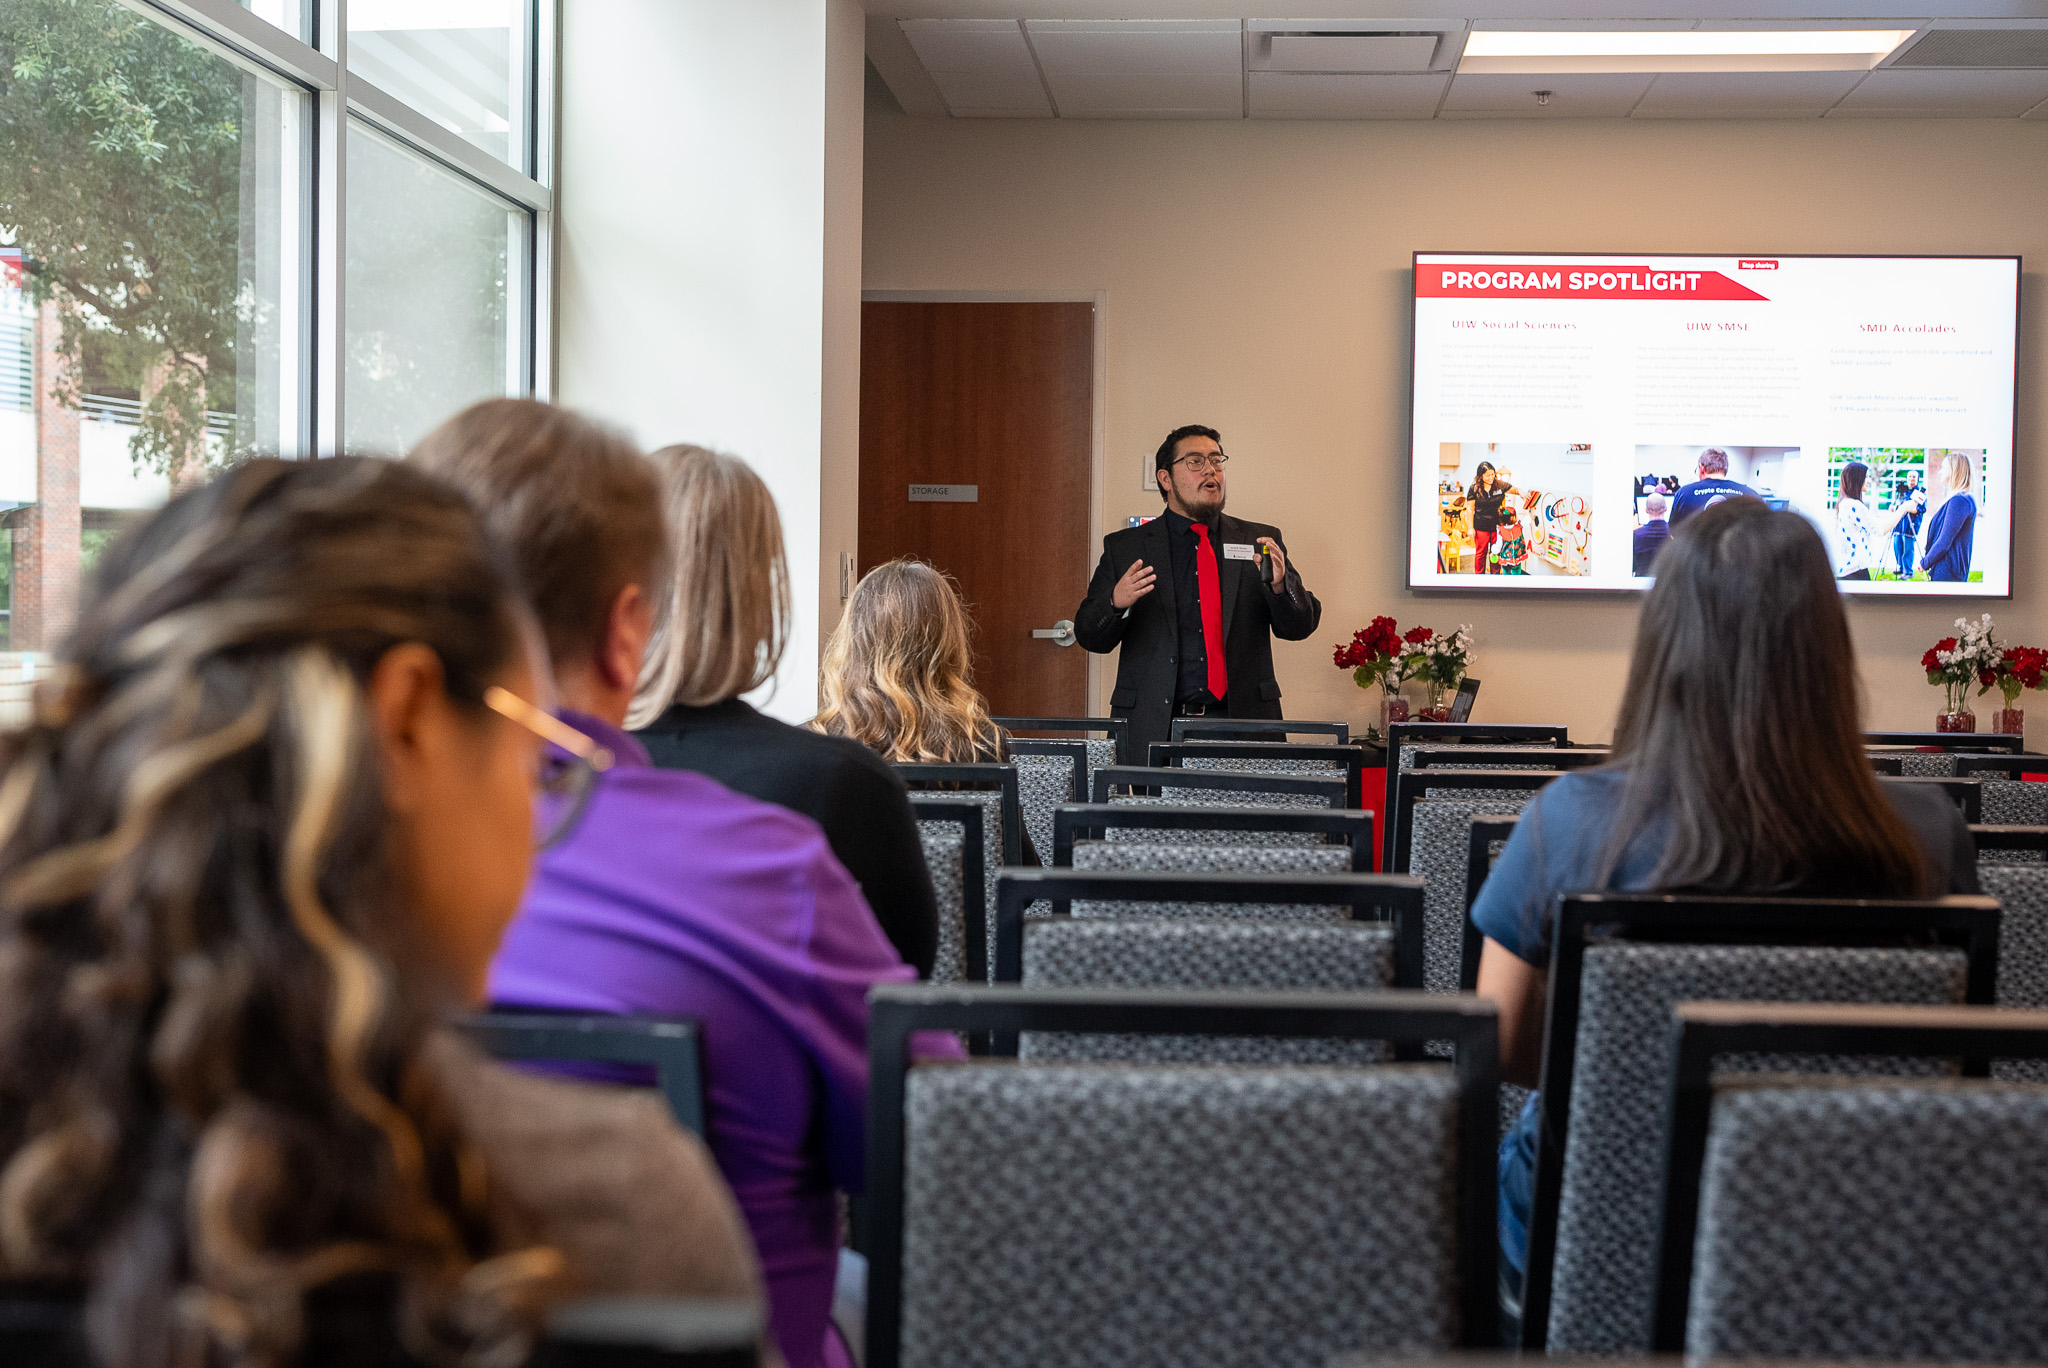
1738, 766
1952, 527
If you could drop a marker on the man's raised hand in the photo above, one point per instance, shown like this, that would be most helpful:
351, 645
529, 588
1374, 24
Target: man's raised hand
1135, 584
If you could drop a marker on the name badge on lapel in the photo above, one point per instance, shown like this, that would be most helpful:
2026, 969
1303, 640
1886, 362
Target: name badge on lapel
1240, 551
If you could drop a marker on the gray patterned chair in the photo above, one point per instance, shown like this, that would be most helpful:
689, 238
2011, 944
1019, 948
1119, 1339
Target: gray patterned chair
2010, 802
1855, 1219
1044, 783
1172, 824
1168, 858
1074, 952
951, 833
1217, 788
1511, 789
1440, 852
956, 938
1593, 1232
1232, 1216
1328, 899
2022, 891
1266, 757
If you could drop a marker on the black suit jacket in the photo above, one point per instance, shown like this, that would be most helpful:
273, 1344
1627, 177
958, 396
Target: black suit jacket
1147, 672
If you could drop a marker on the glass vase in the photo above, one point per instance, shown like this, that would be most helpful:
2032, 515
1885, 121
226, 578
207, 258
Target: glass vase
1393, 708
2010, 721
1436, 710
1964, 721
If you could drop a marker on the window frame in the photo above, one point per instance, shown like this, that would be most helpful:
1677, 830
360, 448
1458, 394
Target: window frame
226, 29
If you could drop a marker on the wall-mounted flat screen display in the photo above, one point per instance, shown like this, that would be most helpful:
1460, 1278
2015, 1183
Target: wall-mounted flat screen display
1569, 411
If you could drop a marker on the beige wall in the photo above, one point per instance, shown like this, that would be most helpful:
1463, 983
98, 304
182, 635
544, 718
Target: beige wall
1257, 279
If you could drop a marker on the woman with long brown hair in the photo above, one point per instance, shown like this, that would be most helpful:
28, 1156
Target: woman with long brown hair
899, 671
273, 811
1738, 766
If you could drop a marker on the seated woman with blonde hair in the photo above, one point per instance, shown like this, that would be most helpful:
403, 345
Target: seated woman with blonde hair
270, 818
898, 674
720, 630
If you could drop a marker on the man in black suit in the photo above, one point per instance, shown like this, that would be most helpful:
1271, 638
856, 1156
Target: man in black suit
1202, 646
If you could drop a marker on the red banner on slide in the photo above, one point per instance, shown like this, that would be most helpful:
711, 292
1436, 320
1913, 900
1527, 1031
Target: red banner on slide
1537, 280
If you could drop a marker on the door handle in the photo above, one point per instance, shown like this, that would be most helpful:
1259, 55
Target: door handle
1061, 633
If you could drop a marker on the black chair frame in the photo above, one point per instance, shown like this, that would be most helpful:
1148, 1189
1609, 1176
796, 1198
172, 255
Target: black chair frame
1465, 757
1706, 1030
1412, 785
1401, 734
1117, 729
1404, 1018
1330, 788
1170, 754
973, 874
1478, 864
1946, 741
1891, 766
1968, 923
979, 776
1077, 751
1371, 897
2010, 838
1081, 821
1195, 728
2004, 766
1966, 794
673, 1045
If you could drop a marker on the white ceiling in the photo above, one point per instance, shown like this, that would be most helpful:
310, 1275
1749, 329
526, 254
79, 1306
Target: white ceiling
966, 62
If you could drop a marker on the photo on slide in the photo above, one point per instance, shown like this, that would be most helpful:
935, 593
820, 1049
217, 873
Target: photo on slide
1904, 513
1673, 482
1514, 508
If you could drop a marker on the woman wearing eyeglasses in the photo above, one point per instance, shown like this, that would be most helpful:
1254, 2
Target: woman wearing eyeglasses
272, 813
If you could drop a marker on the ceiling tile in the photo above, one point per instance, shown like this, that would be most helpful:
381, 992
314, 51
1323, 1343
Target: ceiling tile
1945, 94
1149, 96
982, 67
1745, 94
1280, 95
1571, 97
1142, 68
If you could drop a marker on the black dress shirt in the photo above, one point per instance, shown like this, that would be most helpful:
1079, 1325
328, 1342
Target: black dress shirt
841, 785
1184, 546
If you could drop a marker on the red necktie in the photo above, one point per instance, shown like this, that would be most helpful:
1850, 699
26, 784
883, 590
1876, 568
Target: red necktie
1210, 586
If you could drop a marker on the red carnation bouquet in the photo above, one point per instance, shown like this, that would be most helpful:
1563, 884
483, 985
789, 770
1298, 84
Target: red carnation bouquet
2018, 667
1374, 656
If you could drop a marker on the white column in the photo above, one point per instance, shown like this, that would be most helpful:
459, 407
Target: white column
706, 280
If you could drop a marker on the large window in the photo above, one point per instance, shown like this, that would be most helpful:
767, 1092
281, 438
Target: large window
223, 233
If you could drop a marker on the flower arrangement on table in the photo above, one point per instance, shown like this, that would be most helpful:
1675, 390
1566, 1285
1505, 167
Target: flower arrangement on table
1376, 658
2019, 667
1440, 661
1383, 657
1970, 658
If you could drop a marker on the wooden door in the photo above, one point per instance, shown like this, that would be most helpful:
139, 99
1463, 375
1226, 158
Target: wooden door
999, 397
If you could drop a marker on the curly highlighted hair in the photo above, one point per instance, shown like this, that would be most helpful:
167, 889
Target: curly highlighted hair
898, 674
216, 1088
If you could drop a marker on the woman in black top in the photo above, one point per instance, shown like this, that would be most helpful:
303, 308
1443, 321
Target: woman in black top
1487, 491
721, 635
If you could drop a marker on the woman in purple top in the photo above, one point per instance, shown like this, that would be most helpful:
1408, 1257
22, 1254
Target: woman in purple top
673, 895
677, 897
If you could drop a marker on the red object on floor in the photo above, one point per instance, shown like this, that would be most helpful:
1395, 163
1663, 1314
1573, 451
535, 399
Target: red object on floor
1373, 797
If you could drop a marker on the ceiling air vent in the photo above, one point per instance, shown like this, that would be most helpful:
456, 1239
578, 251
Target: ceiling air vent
1995, 48
1344, 51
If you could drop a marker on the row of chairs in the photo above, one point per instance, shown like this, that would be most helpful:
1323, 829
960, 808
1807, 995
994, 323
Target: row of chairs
1098, 956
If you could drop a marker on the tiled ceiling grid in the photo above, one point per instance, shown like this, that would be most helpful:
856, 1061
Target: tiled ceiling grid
1307, 69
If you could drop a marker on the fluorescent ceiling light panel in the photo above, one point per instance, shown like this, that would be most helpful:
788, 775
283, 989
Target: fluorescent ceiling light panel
1587, 50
